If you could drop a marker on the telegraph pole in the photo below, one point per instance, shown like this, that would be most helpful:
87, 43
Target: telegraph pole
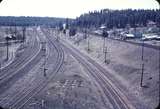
7, 38
0, 66
24, 31
88, 43
44, 55
15, 30
85, 33
105, 35
159, 79
44, 69
0, 61
159, 63
142, 59
158, 23
58, 34
105, 54
86, 36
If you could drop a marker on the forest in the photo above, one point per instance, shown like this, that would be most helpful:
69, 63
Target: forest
118, 18
30, 21
109, 18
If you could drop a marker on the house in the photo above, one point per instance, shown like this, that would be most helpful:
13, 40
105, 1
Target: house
151, 24
152, 27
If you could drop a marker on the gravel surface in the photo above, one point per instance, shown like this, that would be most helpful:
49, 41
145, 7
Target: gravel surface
124, 62
70, 89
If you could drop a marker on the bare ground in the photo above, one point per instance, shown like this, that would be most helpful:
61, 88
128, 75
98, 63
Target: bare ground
70, 89
124, 62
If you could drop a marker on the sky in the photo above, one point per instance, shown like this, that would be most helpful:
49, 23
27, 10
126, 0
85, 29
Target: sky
68, 8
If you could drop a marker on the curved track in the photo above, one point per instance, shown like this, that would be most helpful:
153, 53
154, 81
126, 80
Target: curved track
20, 65
99, 75
22, 97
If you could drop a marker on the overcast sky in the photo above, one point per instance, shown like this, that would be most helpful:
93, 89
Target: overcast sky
68, 8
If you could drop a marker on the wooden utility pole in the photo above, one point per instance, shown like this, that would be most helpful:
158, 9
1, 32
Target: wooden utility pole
85, 33
15, 31
105, 35
159, 61
158, 23
44, 67
104, 44
24, 34
142, 59
159, 79
0, 65
88, 43
105, 55
7, 38
86, 36
0, 59
58, 34
142, 75
44, 55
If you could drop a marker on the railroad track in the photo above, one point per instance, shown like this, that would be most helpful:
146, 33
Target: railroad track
18, 65
31, 46
8, 73
4, 102
21, 99
110, 91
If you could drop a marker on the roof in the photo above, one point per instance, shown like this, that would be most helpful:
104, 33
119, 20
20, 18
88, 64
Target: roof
103, 27
129, 35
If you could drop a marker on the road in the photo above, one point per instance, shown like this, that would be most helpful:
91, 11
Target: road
18, 83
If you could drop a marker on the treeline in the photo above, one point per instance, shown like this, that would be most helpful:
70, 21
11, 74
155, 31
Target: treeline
118, 18
30, 21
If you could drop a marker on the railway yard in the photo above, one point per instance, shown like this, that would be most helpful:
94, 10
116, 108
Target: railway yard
50, 70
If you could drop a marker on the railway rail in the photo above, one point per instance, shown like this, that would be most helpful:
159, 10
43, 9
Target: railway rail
19, 100
18, 65
111, 92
